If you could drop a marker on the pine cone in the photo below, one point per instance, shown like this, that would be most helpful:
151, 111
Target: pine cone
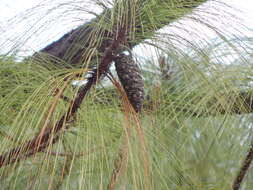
130, 77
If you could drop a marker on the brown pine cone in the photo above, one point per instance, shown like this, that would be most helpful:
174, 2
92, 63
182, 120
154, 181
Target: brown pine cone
130, 77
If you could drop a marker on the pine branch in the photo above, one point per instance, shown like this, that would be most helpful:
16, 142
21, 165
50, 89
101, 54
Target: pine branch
71, 48
51, 134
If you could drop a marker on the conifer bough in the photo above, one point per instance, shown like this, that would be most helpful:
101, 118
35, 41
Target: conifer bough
73, 46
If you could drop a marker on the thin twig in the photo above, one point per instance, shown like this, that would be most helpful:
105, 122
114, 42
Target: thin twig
244, 169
